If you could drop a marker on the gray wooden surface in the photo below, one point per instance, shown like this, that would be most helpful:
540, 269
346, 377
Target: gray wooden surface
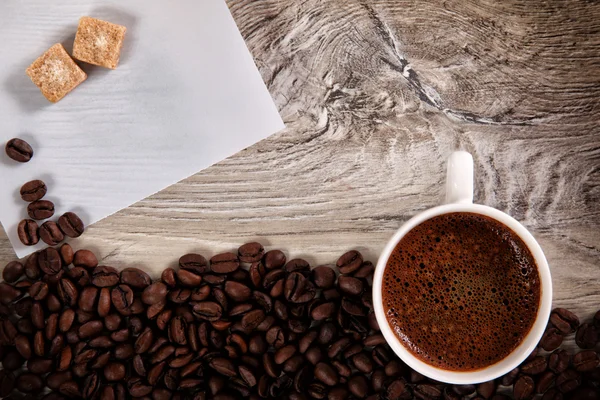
375, 95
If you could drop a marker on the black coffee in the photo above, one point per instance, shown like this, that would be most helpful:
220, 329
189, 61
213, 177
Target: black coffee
461, 291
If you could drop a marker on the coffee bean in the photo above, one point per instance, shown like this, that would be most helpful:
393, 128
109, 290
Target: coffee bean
29, 383
40, 209
326, 374
27, 231
587, 336
223, 366
12, 361
524, 388
71, 225
50, 233
90, 329
102, 342
274, 259
8, 293
103, 276
486, 389
55, 379
188, 278
123, 351
114, 371
314, 355
552, 394
154, 293
350, 285
358, 386
64, 359
284, 353
67, 254
13, 271
91, 384
104, 302
564, 320
135, 278
177, 331
427, 391
323, 277
252, 319
586, 393
224, 263
66, 319
323, 311
122, 298
18, 150
535, 366
545, 381
251, 252
586, 360
362, 362
23, 346
120, 336
237, 291
551, 339
559, 361
298, 265
298, 289
137, 388
67, 292
37, 315
568, 381
85, 259
349, 262
49, 261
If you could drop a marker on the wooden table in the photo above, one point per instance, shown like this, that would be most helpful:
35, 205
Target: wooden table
376, 95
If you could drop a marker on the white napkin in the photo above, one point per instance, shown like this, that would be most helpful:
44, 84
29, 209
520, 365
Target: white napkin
185, 95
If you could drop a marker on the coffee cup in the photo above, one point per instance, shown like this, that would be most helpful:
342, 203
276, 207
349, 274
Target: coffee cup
459, 199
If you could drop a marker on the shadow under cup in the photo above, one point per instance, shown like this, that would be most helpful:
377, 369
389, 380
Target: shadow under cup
529, 341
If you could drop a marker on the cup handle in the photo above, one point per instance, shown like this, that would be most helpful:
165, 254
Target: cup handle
459, 178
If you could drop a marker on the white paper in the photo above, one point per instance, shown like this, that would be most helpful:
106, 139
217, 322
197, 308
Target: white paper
185, 95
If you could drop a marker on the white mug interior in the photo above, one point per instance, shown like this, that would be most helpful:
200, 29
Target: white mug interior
458, 195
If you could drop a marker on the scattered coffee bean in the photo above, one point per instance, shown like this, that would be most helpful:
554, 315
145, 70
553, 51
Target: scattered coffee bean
40, 209
28, 232
71, 225
50, 233
33, 190
19, 150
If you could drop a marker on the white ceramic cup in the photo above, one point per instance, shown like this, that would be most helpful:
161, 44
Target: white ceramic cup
459, 198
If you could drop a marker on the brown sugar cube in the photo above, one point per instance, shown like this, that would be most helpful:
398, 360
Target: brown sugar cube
55, 73
98, 42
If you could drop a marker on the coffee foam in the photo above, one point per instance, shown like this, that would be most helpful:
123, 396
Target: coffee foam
461, 291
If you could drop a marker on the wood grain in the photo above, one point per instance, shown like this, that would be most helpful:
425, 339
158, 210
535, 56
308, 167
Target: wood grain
375, 96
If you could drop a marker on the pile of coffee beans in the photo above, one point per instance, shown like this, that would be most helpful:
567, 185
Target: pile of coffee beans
244, 325
50, 232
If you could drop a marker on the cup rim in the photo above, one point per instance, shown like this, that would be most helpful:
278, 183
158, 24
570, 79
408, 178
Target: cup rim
527, 345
